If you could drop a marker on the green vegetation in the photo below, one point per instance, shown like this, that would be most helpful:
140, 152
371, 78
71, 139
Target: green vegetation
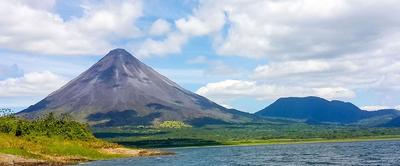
147, 137
51, 138
54, 149
173, 124
49, 126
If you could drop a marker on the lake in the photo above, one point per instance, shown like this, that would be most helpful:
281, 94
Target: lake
351, 153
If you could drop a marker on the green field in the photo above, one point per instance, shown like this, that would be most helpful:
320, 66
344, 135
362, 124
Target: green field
150, 137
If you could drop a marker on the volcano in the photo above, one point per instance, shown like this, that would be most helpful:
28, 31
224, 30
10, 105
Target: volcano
120, 90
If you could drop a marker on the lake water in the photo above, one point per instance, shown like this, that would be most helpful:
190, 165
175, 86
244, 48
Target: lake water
354, 153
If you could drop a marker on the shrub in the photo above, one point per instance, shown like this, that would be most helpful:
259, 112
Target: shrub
48, 126
8, 124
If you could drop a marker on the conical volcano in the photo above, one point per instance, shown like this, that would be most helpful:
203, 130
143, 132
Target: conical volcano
120, 90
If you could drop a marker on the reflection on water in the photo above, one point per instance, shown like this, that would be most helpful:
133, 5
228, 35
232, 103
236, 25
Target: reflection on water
355, 153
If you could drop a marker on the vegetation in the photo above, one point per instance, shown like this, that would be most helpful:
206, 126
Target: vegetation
56, 150
146, 137
173, 124
49, 126
53, 139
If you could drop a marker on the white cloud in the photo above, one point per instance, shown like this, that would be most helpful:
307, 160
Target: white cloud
305, 28
160, 27
197, 25
292, 29
171, 44
110, 19
231, 89
208, 19
33, 27
366, 70
301, 67
39, 4
31, 84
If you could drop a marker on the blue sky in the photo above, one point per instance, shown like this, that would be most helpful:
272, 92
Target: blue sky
241, 54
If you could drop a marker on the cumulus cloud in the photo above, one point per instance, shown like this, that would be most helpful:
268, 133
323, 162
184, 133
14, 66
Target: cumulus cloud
171, 44
110, 19
33, 27
367, 70
302, 67
40, 4
290, 29
304, 28
209, 19
185, 28
231, 89
31, 84
160, 27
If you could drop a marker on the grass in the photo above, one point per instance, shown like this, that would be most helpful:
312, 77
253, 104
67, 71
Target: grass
248, 134
55, 149
53, 139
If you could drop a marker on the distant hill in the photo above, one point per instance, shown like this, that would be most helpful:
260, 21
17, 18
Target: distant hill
120, 90
317, 110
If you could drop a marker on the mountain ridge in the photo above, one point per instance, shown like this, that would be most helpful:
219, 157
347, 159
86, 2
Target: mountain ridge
317, 110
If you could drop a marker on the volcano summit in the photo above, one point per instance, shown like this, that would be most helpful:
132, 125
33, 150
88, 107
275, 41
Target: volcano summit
120, 90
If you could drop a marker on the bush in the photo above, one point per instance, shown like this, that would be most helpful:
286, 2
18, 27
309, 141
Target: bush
8, 124
48, 126
174, 124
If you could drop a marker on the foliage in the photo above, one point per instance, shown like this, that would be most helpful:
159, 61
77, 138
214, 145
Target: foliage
239, 134
173, 124
48, 126
51, 138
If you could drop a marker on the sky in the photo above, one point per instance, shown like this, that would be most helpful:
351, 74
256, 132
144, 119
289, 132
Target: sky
242, 54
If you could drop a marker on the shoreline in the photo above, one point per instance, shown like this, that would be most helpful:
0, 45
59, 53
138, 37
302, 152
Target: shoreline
121, 152
287, 142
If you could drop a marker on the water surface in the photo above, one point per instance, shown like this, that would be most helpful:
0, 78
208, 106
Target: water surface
352, 153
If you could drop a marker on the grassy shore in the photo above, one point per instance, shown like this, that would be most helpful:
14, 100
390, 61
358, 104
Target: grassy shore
56, 140
60, 151
55, 149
